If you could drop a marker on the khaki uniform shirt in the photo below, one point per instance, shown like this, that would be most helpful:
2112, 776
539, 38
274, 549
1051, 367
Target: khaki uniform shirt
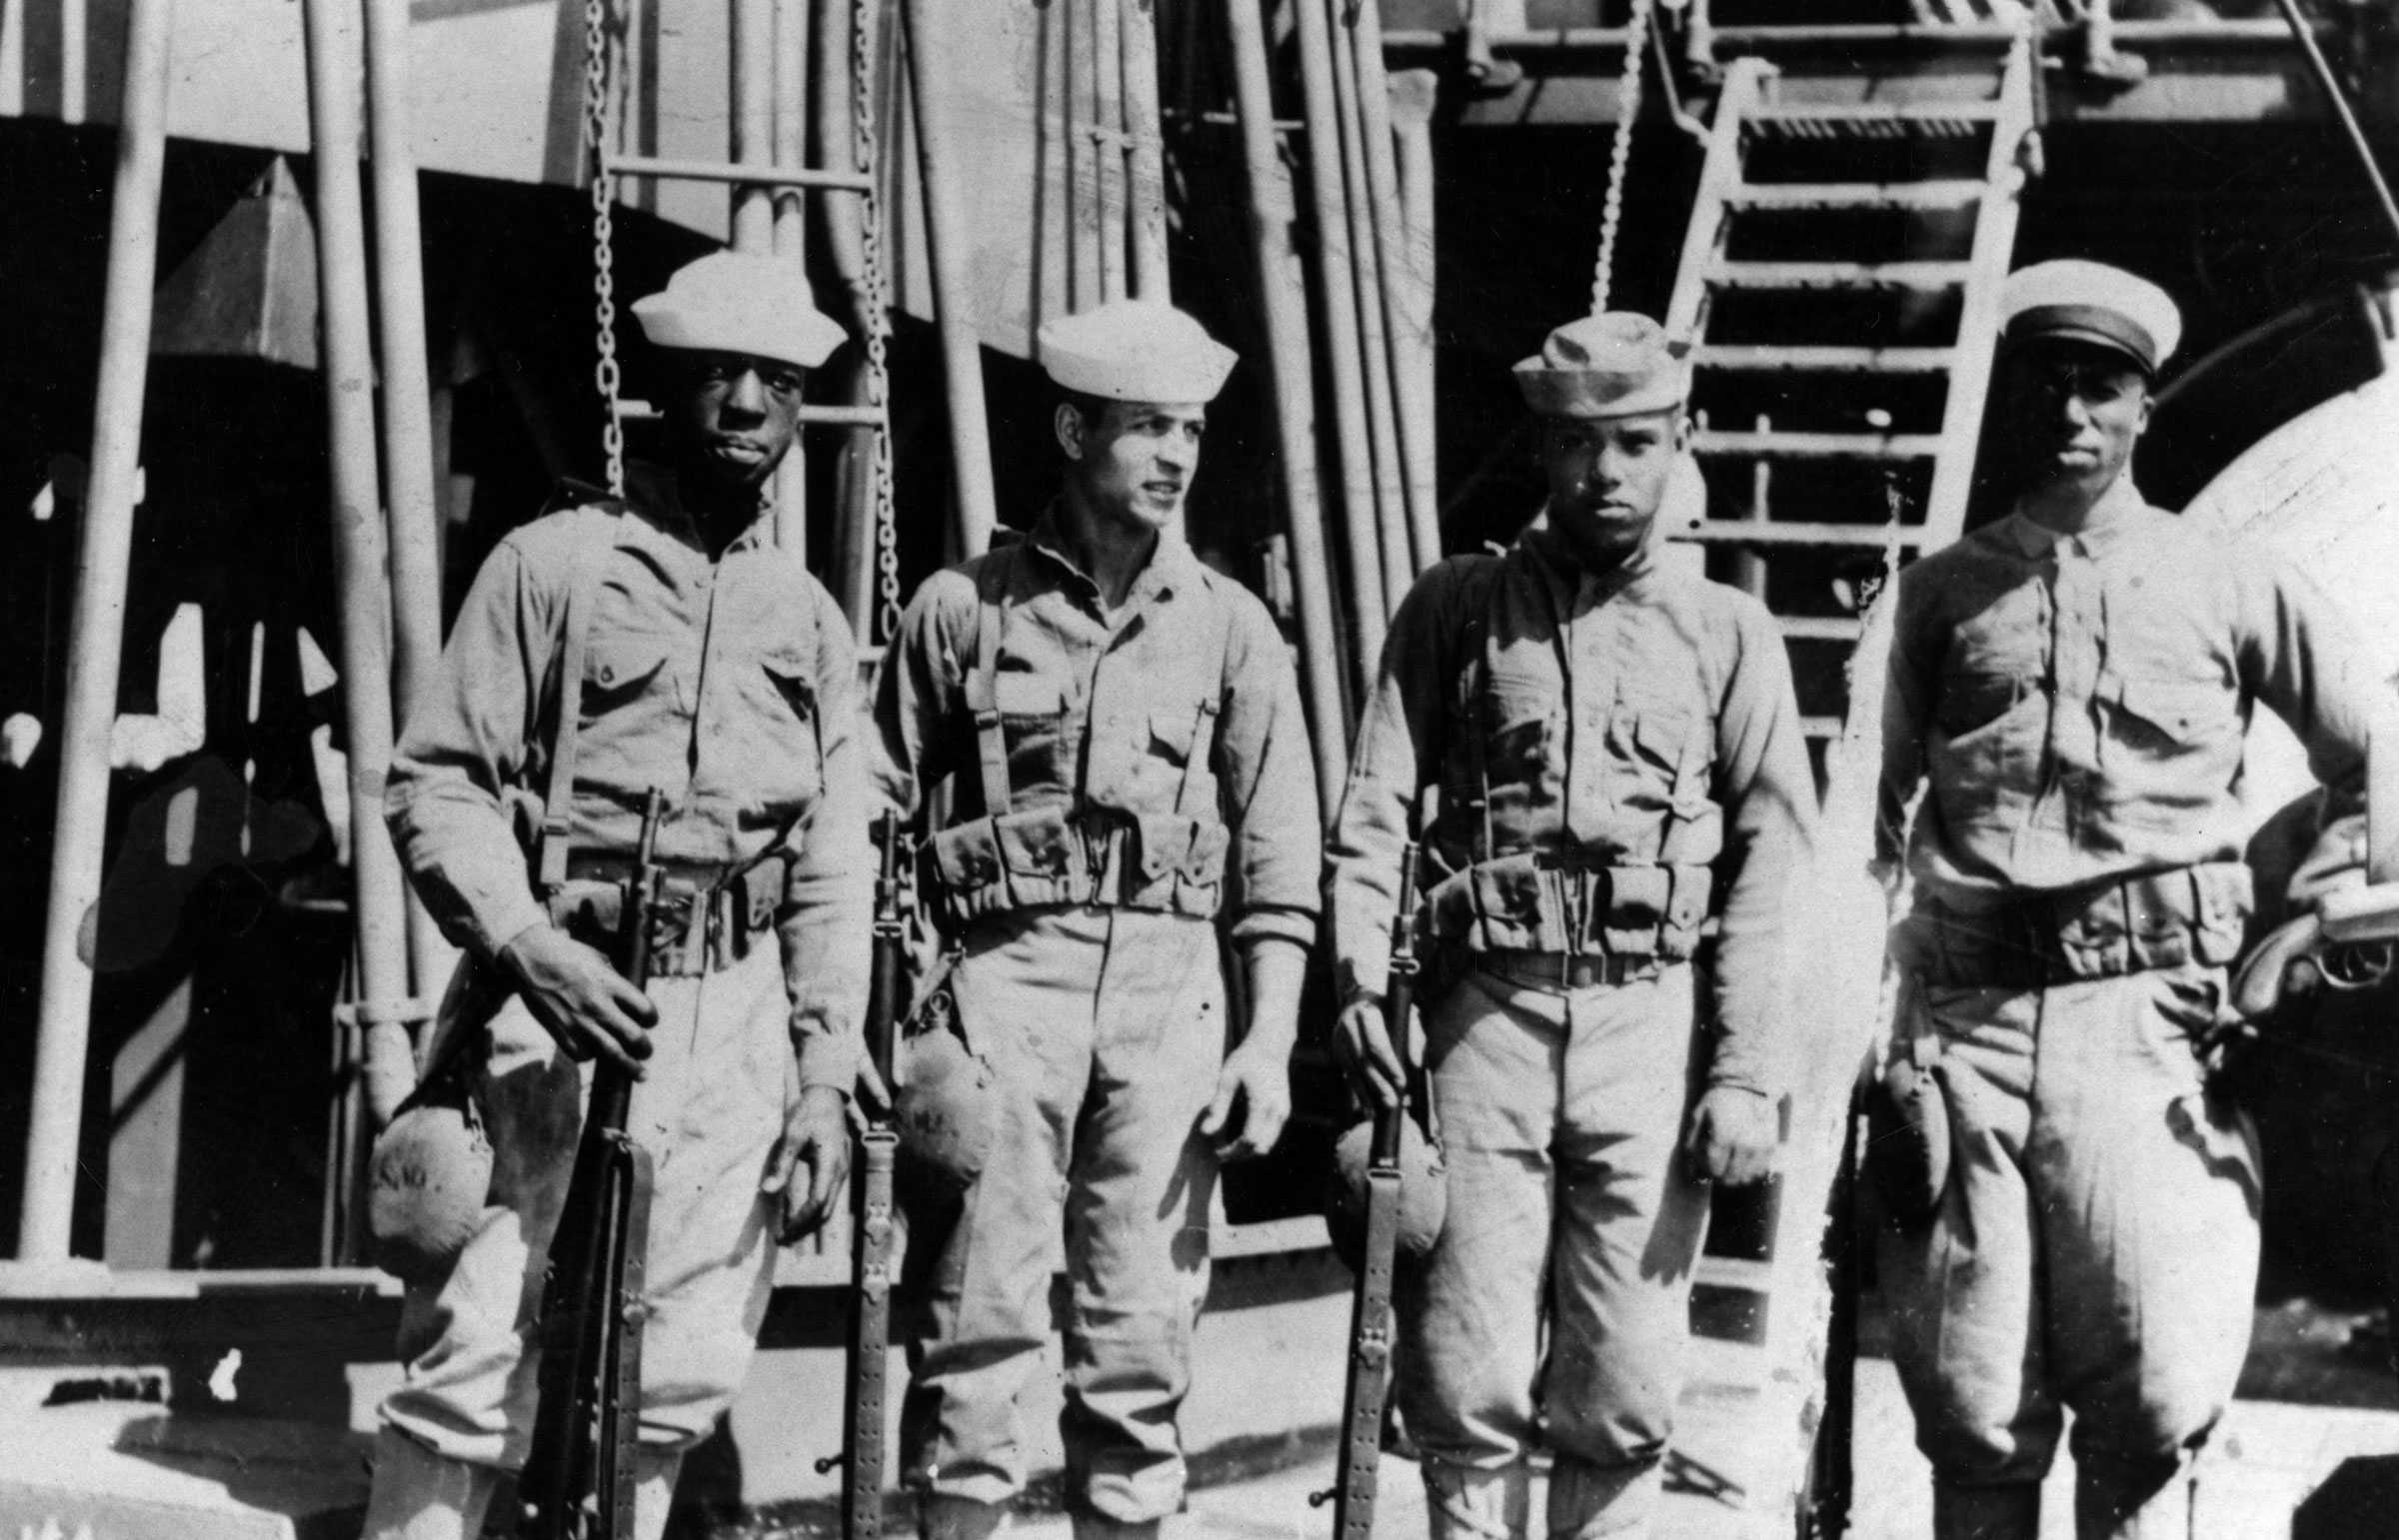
1100, 711
728, 683
2076, 706
1596, 683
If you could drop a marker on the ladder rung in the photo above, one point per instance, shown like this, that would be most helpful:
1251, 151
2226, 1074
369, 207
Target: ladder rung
1944, 194
632, 410
1740, 531
1871, 113
1823, 727
1820, 627
727, 171
1859, 361
1840, 275
1820, 446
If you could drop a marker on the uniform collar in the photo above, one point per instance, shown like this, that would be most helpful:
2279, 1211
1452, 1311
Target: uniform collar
2118, 512
1172, 565
655, 491
1576, 588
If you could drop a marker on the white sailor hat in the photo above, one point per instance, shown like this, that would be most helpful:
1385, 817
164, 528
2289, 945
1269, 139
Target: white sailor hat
2093, 303
1614, 363
731, 301
1134, 350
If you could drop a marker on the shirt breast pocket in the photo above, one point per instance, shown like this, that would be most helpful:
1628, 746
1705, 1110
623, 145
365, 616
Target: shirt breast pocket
2170, 740
790, 708
619, 670
1519, 721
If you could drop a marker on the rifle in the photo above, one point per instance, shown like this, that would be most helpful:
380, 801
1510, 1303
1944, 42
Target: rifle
1360, 1455
861, 1458
578, 1476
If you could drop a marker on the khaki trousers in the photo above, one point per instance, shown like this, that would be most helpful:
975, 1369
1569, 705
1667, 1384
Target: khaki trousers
2097, 1244
1555, 1307
1105, 1029
709, 1112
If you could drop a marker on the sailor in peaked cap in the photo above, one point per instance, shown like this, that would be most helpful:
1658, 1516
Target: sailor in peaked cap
2074, 301
2067, 699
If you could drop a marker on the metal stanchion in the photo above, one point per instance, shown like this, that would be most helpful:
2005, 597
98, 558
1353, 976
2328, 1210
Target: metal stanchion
412, 512
94, 651
1339, 284
948, 238
1283, 310
377, 908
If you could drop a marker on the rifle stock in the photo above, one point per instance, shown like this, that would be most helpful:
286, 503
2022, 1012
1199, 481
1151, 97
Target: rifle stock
579, 1479
1360, 1460
861, 1456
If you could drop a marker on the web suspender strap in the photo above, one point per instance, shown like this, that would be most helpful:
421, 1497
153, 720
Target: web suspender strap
983, 694
558, 792
1203, 728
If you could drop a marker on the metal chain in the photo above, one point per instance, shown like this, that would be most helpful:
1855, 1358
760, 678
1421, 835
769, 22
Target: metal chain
876, 317
1629, 97
596, 127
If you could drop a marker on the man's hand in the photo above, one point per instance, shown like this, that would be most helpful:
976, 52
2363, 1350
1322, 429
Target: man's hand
1256, 1078
584, 1003
811, 1163
1733, 1137
1362, 1042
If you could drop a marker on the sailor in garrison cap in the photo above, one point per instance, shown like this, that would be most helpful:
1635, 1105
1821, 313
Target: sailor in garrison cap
1121, 729
1619, 756
2069, 687
693, 656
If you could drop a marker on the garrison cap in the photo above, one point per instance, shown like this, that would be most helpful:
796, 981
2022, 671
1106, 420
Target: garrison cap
2090, 301
733, 302
1136, 349
1614, 363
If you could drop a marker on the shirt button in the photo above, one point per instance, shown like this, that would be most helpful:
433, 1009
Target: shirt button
607, 674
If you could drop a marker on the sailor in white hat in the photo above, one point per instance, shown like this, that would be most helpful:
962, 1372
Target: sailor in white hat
691, 654
1122, 731
1620, 759
2069, 689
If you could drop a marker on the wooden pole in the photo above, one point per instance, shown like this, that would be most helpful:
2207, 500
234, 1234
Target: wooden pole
1106, 129
1148, 173
1412, 389
790, 111
1412, 98
750, 61
1284, 310
46, 1223
414, 510
1339, 284
948, 238
378, 909
1375, 343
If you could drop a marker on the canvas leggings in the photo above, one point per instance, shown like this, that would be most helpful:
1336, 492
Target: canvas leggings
2096, 1246
1555, 1308
1105, 1029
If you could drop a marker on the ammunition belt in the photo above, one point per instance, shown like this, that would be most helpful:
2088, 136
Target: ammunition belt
705, 919
2153, 919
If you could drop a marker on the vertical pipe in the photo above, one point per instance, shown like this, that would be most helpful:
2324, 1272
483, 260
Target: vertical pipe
378, 910
1337, 285
46, 1223
1382, 413
748, 62
948, 237
1149, 174
789, 103
408, 429
1412, 101
1079, 89
1284, 309
1107, 127
1411, 450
